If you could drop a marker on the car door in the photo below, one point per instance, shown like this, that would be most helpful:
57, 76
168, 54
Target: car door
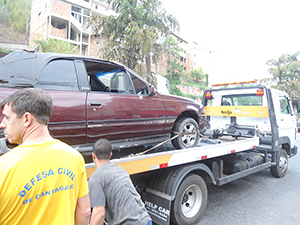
116, 109
68, 120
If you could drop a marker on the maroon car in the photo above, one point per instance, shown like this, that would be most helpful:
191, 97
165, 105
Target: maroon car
95, 98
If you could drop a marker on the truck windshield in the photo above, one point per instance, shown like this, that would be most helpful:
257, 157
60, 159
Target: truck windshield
240, 100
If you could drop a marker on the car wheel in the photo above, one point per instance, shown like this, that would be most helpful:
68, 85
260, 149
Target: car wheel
185, 125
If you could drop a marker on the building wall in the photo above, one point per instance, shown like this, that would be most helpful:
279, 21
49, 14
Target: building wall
60, 33
38, 22
96, 43
60, 8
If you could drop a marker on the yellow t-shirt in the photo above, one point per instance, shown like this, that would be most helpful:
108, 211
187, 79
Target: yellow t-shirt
40, 184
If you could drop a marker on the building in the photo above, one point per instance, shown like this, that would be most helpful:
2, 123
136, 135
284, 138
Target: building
67, 20
184, 58
203, 57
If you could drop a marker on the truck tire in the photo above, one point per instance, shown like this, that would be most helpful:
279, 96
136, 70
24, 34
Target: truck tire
188, 140
280, 169
190, 201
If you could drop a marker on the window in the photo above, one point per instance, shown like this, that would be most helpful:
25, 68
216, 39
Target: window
76, 13
107, 78
121, 82
58, 75
139, 86
242, 100
284, 105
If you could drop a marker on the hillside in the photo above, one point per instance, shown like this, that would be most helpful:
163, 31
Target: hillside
7, 34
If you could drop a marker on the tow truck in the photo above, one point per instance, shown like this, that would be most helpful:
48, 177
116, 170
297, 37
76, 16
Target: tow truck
249, 128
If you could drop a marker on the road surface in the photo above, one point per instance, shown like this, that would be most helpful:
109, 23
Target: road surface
257, 199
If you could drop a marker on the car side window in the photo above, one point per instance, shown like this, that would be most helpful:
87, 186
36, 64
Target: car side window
58, 75
139, 86
105, 77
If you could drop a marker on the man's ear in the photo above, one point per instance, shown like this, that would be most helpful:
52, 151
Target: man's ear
94, 156
110, 155
28, 118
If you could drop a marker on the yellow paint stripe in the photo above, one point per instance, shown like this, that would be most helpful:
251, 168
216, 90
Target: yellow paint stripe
90, 171
137, 166
240, 111
143, 165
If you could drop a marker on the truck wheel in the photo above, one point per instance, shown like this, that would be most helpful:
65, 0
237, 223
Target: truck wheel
190, 201
186, 140
280, 169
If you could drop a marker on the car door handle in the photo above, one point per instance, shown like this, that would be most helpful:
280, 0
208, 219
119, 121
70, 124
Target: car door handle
96, 103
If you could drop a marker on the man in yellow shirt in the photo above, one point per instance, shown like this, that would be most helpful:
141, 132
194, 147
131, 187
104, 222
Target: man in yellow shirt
43, 180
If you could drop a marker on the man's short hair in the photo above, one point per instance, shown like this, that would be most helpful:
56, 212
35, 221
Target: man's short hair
102, 149
33, 100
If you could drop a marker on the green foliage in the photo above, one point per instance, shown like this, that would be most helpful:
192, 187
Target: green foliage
197, 75
132, 34
5, 50
58, 46
286, 74
14, 13
176, 75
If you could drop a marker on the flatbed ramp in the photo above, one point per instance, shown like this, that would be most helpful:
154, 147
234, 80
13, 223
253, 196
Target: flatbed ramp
207, 149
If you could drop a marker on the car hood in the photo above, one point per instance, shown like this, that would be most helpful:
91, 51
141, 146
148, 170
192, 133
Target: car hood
190, 104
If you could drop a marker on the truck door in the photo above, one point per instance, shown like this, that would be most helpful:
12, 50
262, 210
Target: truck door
285, 117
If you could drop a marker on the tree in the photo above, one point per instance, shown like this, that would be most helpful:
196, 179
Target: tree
58, 46
197, 75
175, 70
286, 74
132, 33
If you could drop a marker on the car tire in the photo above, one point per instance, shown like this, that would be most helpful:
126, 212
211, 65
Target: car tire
185, 140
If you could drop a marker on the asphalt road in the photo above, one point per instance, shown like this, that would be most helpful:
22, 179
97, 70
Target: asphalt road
256, 199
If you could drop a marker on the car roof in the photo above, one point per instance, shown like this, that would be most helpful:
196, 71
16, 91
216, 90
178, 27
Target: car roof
23, 68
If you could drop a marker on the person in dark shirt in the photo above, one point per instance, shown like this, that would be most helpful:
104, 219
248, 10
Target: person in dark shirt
112, 194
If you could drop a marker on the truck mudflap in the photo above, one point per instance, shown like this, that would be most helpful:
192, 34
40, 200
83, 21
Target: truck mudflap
158, 206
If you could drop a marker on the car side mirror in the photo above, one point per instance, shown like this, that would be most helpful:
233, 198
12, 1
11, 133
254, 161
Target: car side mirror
151, 91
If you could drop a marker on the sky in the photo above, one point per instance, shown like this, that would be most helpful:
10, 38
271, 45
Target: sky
244, 34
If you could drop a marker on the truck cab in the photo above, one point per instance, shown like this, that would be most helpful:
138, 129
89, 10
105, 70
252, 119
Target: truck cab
251, 110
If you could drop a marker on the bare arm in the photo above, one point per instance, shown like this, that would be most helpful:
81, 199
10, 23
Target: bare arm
98, 215
83, 211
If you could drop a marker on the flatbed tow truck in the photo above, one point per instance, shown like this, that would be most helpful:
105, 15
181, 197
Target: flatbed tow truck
249, 128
